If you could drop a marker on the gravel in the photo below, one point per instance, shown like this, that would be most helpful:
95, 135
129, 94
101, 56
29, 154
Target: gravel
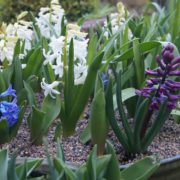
165, 145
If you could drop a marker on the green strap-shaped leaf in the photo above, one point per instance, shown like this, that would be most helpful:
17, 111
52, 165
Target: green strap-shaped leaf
138, 121
138, 64
4, 131
111, 117
30, 94
162, 116
34, 63
2, 82
124, 119
144, 48
25, 169
69, 84
13, 131
92, 49
82, 97
18, 78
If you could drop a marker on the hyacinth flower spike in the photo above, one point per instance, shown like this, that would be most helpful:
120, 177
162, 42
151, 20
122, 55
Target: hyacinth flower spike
10, 115
161, 89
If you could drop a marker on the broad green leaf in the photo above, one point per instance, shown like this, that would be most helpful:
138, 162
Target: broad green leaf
138, 64
91, 164
86, 134
113, 171
30, 165
82, 97
140, 170
99, 123
51, 113
30, 94
102, 165
91, 49
12, 168
3, 164
144, 48
36, 121
126, 94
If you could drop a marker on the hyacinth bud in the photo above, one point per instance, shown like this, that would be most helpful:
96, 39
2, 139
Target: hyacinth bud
169, 47
167, 57
176, 60
151, 73
160, 62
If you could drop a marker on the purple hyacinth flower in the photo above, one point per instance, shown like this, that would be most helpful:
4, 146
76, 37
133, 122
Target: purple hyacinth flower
163, 88
9, 110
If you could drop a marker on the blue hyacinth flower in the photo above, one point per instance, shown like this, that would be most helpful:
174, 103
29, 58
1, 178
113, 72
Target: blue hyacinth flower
9, 110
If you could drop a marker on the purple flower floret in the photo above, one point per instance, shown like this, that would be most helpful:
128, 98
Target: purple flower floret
9, 110
160, 88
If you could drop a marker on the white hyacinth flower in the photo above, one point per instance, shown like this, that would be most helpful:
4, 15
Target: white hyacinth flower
80, 73
58, 68
49, 57
49, 88
57, 45
7, 49
49, 19
117, 21
80, 49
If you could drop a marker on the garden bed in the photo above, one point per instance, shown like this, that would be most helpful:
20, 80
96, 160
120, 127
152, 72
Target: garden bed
165, 145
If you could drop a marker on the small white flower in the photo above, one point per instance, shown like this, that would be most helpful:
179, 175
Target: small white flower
80, 49
49, 88
23, 66
80, 73
49, 57
58, 68
57, 45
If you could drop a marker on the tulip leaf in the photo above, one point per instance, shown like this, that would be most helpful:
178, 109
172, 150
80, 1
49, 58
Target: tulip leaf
36, 122
99, 124
141, 169
113, 171
91, 164
3, 164
12, 168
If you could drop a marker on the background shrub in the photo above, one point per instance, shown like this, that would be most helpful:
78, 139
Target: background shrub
74, 8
